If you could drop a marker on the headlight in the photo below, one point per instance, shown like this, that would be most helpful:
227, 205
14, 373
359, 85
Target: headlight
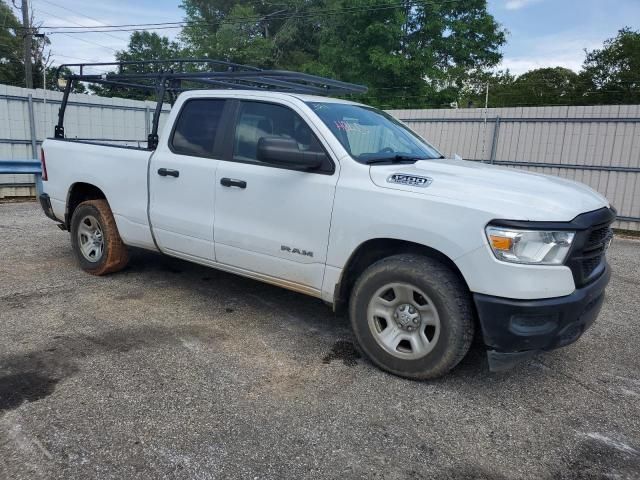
529, 246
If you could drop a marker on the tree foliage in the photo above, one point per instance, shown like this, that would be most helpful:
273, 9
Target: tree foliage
11, 56
542, 86
142, 46
609, 76
407, 53
12, 53
410, 54
52, 77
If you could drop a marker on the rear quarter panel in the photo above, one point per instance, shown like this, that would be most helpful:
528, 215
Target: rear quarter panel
120, 173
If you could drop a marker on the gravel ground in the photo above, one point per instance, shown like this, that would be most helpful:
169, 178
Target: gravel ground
172, 370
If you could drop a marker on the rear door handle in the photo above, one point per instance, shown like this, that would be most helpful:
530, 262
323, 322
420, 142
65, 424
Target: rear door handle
232, 182
164, 172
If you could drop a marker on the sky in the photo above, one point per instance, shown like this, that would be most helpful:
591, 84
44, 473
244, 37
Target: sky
541, 33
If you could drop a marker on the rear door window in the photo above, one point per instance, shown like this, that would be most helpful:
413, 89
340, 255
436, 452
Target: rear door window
196, 128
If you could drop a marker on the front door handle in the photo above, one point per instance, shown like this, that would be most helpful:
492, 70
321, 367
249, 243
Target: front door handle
232, 182
164, 172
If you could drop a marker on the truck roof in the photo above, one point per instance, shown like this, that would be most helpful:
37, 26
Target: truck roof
239, 93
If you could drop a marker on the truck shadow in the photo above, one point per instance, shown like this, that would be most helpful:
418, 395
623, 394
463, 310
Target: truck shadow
35, 374
295, 309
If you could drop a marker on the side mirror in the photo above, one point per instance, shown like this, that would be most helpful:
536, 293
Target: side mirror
284, 152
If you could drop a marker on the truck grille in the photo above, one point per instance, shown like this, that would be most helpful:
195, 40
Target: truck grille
599, 235
587, 260
590, 264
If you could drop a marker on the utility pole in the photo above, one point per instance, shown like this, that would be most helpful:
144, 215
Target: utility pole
266, 25
484, 130
26, 35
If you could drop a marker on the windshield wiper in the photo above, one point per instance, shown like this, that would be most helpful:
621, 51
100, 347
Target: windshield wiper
393, 159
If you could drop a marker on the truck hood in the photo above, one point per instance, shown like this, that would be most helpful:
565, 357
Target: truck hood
505, 192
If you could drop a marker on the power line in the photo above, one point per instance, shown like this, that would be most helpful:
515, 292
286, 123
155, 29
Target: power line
90, 42
118, 26
82, 26
73, 57
248, 19
128, 29
258, 16
80, 39
77, 13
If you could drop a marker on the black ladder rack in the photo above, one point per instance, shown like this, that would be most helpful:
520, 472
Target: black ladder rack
178, 75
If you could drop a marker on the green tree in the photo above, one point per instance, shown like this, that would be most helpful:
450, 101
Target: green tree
368, 45
243, 42
611, 75
542, 86
408, 54
11, 51
546, 86
142, 46
11, 63
453, 43
501, 90
267, 35
52, 84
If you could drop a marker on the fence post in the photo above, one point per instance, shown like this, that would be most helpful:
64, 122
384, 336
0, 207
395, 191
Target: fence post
494, 142
147, 126
37, 178
32, 128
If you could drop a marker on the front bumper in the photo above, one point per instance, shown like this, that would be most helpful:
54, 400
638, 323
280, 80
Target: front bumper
517, 329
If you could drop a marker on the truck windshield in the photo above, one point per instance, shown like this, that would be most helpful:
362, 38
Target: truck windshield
372, 136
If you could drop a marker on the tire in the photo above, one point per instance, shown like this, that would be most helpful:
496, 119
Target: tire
412, 316
96, 242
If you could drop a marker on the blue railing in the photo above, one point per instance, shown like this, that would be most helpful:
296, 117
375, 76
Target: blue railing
23, 167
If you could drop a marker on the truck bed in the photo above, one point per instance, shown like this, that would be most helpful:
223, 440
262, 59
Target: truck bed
120, 171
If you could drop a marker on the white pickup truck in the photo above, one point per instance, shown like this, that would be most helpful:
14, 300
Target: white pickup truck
342, 202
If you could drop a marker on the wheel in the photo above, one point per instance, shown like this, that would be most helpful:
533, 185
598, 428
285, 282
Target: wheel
412, 316
95, 239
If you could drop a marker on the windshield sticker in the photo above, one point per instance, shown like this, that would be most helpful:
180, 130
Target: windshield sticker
409, 180
349, 126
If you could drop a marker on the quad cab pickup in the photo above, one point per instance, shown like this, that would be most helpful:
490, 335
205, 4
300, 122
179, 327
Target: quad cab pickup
342, 202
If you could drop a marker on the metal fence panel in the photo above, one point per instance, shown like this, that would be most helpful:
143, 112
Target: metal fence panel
88, 116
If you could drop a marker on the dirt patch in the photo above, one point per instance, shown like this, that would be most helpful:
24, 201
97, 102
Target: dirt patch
24, 300
345, 351
465, 472
130, 296
599, 456
28, 386
19, 300
34, 375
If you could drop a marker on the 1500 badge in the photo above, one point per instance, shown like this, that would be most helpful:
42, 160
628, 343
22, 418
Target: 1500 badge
410, 180
297, 251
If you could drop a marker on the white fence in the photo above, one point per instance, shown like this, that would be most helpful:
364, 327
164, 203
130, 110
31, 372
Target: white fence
28, 117
599, 146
